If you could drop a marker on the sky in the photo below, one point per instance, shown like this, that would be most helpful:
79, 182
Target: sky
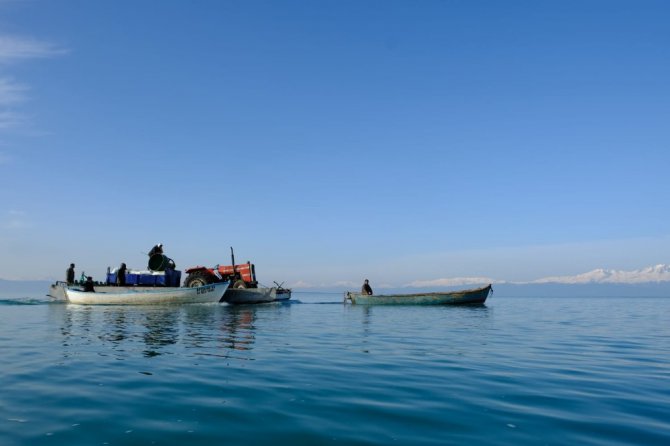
331, 141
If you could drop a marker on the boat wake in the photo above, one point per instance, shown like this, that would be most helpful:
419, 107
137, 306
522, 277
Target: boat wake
25, 301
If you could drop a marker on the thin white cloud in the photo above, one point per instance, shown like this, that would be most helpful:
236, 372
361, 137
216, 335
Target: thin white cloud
15, 220
14, 49
9, 118
11, 92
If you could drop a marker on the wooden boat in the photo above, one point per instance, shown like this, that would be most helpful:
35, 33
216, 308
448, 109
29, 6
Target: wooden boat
474, 296
256, 295
115, 296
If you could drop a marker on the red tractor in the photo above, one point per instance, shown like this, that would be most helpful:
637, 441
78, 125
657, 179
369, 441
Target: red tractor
240, 276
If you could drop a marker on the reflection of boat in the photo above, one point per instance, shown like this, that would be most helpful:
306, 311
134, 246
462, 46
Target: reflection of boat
240, 328
256, 295
474, 296
202, 294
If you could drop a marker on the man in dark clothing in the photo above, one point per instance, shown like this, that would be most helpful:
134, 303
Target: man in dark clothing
366, 289
88, 285
121, 275
69, 274
158, 249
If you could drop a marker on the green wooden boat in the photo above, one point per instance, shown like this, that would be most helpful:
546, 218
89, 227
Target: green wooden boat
464, 297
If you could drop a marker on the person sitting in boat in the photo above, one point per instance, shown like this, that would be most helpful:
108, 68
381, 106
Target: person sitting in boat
158, 249
238, 282
69, 275
121, 275
88, 285
366, 289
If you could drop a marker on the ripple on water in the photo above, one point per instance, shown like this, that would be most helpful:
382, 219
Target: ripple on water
518, 371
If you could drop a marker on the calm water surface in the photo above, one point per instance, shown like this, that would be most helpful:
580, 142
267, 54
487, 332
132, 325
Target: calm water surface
517, 371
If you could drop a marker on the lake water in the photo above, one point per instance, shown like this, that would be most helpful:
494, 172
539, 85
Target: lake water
518, 371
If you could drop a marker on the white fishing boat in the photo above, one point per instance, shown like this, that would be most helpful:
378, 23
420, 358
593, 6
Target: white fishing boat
136, 280
256, 295
57, 290
124, 296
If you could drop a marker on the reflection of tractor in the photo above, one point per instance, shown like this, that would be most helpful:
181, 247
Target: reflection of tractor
240, 276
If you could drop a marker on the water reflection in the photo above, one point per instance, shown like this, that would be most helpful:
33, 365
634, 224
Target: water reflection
199, 324
116, 320
405, 322
367, 319
239, 327
161, 330
211, 330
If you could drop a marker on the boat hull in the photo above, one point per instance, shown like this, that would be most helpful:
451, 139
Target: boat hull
57, 290
114, 296
283, 294
238, 296
465, 297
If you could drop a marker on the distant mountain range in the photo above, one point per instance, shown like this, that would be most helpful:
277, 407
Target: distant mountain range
650, 281
652, 274
658, 273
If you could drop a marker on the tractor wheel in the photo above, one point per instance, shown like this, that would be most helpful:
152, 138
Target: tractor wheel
198, 278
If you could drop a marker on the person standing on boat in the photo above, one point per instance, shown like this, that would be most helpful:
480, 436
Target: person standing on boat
69, 275
158, 249
366, 289
88, 285
121, 275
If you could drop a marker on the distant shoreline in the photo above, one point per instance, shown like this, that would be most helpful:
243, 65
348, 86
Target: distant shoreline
649, 289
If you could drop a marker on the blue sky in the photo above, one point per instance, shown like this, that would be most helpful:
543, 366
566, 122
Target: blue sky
330, 141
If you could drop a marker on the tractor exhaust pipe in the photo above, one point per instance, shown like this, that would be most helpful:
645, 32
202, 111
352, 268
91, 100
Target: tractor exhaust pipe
232, 255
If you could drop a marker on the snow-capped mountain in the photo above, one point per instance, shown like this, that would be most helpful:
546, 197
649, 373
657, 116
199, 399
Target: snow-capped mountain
652, 274
657, 273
